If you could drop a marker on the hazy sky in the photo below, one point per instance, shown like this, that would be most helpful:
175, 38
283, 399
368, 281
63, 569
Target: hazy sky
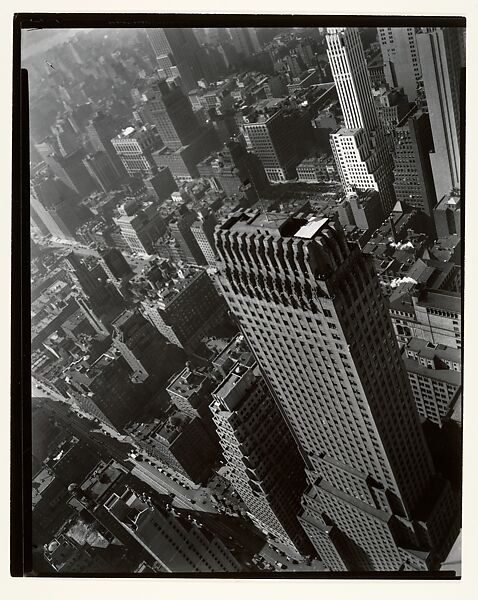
41, 40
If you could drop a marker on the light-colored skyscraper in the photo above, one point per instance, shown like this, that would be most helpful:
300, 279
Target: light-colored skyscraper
360, 148
310, 306
442, 56
401, 63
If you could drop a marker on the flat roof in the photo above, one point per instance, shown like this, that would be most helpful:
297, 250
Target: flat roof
441, 299
443, 375
311, 228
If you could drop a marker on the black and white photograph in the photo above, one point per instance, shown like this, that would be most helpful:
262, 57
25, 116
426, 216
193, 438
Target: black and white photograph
241, 285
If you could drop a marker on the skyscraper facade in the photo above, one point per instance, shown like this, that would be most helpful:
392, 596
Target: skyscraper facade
245, 40
264, 465
310, 306
401, 62
134, 147
170, 110
412, 171
441, 57
177, 47
101, 129
360, 147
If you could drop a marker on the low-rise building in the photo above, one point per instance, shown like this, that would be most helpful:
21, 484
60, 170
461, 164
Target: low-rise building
430, 315
317, 169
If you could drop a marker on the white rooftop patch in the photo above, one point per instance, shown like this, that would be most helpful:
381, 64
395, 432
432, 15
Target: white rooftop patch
308, 230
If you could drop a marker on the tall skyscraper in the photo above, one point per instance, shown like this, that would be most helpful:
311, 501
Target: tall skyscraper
310, 306
101, 169
134, 146
360, 148
245, 40
177, 47
203, 231
101, 130
263, 463
413, 175
272, 134
170, 110
401, 63
141, 225
190, 250
57, 207
441, 57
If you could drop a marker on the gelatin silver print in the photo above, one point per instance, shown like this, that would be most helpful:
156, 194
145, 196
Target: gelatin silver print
246, 297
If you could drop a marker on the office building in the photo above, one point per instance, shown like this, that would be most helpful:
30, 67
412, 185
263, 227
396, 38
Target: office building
161, 185
134, 146
189, 249
362, 210
99, 300
104, 389
203, 232
180, 442
101, 169
360, 148
447, 215
168, 108
91, 281
317, 169
141, 225
83, 547
310, 306
263, 463
392, 105
413, 177
183, 162
139, 343
177, 52
190, 391
401, 61
272, 135
56, 208
101, 130
179, 546
169, 539
245, 40
434, 372
184, 309
233, 168
441, 57
69, 168
114, 265
431, 315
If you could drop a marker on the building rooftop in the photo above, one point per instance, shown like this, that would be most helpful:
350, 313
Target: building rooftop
310, 229
450, 301
276, 224
236, 351
101, 479
240, 374
443, 375
449, 201
187, 383
430, 350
